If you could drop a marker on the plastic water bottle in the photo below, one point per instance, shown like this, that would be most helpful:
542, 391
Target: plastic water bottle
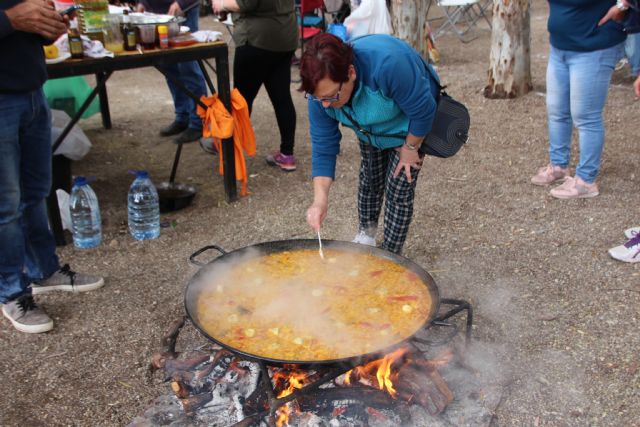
144, 208
86, 224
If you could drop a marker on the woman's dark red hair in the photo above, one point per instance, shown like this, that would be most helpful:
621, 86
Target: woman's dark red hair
324, 56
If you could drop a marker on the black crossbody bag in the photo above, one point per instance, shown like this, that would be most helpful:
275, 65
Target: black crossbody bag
449, 132
631, 21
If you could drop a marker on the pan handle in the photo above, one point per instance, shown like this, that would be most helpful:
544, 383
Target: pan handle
194, 261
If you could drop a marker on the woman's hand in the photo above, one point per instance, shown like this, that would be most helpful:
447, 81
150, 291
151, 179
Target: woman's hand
217, 6
614, 13
140, 8
636, 86
317, 212
175, 9
409, 158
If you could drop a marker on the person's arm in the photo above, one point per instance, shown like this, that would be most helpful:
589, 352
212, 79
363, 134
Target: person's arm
317, 212
32, 17
179, 6
325, 141
325, 146
404, 79
225, 6
615, 13
636, 86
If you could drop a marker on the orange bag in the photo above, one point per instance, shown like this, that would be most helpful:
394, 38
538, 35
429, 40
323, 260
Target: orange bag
219, 124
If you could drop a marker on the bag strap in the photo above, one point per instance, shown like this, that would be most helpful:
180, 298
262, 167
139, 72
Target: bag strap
362, 130
368, 133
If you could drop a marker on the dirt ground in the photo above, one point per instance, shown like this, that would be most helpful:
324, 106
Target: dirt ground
556, 318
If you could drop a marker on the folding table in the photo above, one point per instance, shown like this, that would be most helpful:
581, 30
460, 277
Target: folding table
103, 68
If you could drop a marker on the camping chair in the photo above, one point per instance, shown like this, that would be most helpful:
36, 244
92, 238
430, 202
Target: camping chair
310, 19
461, 16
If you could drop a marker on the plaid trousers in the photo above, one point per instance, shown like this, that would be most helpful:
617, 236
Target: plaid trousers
376, 181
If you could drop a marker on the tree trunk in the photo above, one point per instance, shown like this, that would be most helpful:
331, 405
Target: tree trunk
409, 22
510, 59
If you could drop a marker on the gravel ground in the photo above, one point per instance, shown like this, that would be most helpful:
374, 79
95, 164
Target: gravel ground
556, 318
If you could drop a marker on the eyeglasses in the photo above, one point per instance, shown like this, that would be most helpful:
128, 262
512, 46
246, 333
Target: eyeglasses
329, 99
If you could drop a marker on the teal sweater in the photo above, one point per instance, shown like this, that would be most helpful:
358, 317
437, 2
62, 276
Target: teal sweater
395, 93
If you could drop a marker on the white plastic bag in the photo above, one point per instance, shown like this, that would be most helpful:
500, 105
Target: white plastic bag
63, 205
371, 17
76, 145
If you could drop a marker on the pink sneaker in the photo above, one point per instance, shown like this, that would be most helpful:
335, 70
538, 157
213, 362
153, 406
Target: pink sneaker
549, 175
575, 188
286, 163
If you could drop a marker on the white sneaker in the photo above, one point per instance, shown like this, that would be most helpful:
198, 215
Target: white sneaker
630, 233
364, 239
629, 252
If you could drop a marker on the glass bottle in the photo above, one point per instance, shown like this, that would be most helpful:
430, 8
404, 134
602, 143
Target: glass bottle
75, 41
128, 32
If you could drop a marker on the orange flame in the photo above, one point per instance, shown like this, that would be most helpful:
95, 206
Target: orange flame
379, 370
283, 415
290, 381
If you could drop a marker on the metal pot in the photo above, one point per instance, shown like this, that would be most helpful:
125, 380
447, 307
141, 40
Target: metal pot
174, 196
194, 287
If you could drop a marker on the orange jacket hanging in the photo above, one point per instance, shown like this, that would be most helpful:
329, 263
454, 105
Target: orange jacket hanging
219, 124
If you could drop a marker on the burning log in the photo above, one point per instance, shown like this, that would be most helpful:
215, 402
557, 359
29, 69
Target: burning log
181, 390
192, 403
172, 366
430, 367
168, 345
433, 395
186, 382
323, 398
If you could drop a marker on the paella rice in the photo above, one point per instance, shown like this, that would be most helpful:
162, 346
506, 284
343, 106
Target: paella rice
293, 306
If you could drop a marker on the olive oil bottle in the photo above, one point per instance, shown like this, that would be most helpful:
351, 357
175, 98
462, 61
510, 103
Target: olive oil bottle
75, 41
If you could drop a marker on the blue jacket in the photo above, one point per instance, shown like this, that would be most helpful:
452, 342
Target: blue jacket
395, 93
573, 25
22, 67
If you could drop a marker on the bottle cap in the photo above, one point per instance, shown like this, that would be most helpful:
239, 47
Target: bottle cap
142, 174
163, 29
80, 180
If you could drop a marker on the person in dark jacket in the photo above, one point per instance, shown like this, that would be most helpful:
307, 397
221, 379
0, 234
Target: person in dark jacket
27, 246
266, 36
187, 124
586, 43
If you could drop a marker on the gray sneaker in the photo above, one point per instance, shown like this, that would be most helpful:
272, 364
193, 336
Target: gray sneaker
67, 280
26, 316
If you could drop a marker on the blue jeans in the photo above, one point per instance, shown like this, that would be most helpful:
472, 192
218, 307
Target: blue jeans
27, 247
190, 75
632, 52
577, 86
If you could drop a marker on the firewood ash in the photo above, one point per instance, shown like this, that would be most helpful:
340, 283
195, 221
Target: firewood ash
409, 386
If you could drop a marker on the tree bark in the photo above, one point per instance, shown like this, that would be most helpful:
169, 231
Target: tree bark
510, 58
409, 22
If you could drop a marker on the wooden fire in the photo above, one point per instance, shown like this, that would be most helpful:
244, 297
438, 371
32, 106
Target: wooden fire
416, 382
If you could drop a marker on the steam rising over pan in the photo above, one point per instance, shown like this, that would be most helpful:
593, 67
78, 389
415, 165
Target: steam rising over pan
281, 303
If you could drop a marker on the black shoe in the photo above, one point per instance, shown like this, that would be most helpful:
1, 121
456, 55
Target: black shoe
173, 129
189, 135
